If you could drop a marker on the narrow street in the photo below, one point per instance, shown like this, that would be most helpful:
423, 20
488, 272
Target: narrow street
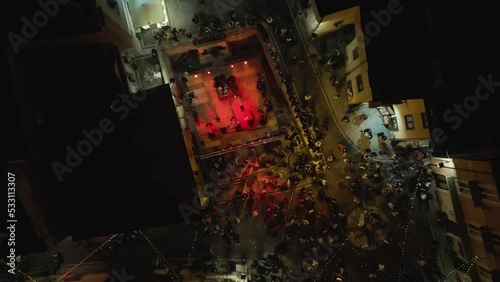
339, 205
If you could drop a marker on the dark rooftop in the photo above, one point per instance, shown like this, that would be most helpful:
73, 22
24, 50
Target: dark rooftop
116, 187
421, 54
398, 52
465, 55
70, 18
326, 7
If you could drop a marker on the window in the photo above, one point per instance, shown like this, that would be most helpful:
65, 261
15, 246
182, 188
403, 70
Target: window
490, 191
472, 187
349, 86
393, 124
355, 53
425, 122
440, 181
462, 186
359, 82
474, 230
409, 122
495, 239
337, 24
484, 272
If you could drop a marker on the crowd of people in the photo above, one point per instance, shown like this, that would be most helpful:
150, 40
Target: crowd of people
307, 215
313, 219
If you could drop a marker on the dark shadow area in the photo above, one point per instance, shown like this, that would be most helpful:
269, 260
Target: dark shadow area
101, 161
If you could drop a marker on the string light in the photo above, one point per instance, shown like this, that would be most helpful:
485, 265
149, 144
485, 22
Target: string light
157, 251
379, 201
403, 247
455, 269
333, 256
16, 269
85, 259
342, 245
473, 261
26, 275
195, 239
253, 243
469, 262
152, 245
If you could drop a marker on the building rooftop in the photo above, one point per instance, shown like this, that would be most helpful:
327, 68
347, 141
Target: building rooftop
70, 18
464, 57
126, 181
399, 51
326, 7
420, 54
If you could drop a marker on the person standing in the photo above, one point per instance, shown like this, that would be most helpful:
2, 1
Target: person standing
173, 34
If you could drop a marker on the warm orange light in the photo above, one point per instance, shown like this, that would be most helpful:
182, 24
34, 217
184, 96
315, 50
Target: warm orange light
246, 62
195, 75
232, 66
209, 72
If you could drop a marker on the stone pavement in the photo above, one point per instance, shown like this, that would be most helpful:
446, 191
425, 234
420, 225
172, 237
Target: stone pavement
180, 13
254, 239
305, 82
351, 130
337, 108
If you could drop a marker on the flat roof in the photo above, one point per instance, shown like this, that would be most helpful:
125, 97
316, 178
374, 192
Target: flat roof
326, 7
405, 55
72, 17
116, 187
397, 52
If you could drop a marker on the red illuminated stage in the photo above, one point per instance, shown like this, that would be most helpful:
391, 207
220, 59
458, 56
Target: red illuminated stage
229, 105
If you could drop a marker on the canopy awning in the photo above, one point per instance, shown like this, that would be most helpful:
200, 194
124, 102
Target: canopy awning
146, 12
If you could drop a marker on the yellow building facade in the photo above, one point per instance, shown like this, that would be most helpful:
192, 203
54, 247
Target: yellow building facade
468, 194
356, 67
411, 119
